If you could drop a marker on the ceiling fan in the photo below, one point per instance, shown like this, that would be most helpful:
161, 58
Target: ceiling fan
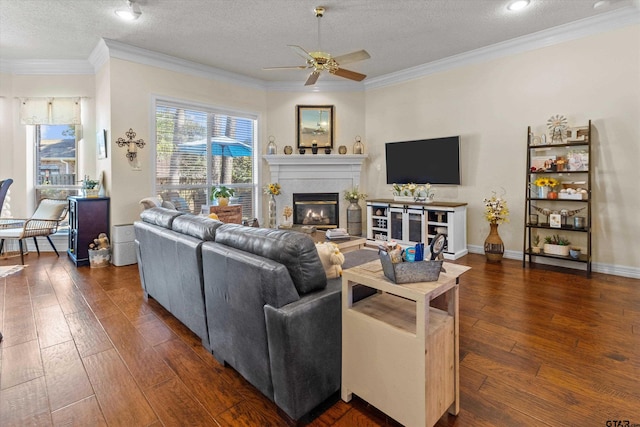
322, 61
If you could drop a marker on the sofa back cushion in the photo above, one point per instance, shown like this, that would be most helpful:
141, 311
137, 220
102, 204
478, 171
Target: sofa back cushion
160, 216
294, 250
200, 227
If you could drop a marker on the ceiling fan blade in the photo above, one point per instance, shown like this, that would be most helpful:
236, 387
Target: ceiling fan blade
300, 51
292, 67
348, 74
360, 55
313, 78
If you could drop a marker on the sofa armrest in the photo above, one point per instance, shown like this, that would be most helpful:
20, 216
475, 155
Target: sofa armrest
305, 346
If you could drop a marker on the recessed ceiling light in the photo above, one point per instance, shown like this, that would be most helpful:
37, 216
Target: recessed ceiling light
601, 3
518, 4
129, 13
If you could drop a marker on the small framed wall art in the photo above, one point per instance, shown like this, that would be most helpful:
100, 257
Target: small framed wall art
314, 126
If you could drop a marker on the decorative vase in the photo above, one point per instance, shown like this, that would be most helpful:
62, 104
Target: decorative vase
342, 149
223, 201
543, 192
272, 211
493, 245
91, 192
358, 146
354, 218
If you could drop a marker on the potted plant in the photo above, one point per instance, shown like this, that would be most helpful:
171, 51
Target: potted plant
222, 194
90, 187
536, 244
556, 245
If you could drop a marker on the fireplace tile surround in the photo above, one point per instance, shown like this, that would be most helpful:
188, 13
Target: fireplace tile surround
320, 173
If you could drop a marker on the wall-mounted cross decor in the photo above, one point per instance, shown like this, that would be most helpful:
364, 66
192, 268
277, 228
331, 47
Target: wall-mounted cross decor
131, 144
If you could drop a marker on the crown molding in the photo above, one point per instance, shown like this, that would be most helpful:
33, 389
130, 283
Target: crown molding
148, 57
618, 18
99, 55
46, 66
321, 86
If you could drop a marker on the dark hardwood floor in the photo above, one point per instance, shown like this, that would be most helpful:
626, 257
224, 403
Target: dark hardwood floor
537, 347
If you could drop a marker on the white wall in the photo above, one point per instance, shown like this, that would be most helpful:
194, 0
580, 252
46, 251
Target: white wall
16, 161
490, 106
132, 88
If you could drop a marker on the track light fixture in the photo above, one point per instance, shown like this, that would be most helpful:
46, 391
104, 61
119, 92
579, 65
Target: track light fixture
129, 13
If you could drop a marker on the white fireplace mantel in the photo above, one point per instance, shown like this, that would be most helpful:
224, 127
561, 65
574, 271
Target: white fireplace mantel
318, 166
315, 173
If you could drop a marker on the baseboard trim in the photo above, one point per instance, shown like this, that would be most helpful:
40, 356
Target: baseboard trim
598, 267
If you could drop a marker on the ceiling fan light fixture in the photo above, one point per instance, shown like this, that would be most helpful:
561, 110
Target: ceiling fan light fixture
129, 13
518, 5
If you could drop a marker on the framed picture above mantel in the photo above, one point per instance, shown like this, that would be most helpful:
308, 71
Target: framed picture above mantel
315, 126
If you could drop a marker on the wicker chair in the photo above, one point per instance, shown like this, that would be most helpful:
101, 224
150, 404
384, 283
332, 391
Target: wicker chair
4, 187
43, 223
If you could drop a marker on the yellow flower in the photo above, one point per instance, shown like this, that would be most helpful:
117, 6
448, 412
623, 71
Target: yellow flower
273, 188
546, 182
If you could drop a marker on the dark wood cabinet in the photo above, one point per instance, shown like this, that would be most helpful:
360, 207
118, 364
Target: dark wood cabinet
88, 217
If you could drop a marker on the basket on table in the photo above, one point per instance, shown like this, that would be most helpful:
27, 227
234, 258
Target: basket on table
408, 272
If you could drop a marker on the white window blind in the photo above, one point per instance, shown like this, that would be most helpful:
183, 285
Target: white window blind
198, 149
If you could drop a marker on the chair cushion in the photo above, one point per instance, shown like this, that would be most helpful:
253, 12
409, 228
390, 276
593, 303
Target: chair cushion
50, 209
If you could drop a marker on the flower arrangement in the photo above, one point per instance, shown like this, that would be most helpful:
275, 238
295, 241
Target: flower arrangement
354, 195
287, 212
272, 189
496, 210
89, 184
412, 190
546, 182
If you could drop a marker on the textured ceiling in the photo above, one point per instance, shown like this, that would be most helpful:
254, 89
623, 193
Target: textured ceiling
242, 36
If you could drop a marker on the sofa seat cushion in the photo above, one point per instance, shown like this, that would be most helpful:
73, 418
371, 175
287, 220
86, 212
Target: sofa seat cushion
160, 216
202, 228
294, 250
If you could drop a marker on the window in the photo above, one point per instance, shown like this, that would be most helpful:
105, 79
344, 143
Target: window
187, 167
55, 161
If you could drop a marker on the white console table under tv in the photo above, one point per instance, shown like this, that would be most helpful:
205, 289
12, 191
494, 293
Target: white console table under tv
409, 223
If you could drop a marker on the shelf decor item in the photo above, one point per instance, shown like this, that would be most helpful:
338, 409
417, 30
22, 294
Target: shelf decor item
496, 212
557, 126
221, 195
545, 185
90, 187
272, 190
342, 149
287, 213
288, 150
556, 245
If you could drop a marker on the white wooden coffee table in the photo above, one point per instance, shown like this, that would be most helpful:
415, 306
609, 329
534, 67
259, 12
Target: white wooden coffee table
398, 353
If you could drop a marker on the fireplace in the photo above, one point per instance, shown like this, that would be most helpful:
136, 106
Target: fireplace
317, 209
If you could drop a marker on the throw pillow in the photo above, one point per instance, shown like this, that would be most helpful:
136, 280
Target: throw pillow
331, 258
150, 202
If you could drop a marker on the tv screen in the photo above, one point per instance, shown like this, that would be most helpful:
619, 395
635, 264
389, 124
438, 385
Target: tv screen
433, 161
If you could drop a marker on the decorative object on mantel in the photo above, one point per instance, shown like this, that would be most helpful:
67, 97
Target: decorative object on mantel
314, 147
302, 150
354, 211
496, 212
342, 149
327, 150
412, 192
272, 190
358, 146
288, 150
557, 126
272, 148
132, 147
90, 187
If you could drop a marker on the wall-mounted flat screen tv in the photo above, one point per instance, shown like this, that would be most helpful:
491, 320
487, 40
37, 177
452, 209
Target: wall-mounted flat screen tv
433, 161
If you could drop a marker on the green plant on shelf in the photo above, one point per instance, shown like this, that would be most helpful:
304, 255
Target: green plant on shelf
556, 239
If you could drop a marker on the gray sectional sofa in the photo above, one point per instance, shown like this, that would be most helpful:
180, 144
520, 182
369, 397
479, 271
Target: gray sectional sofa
258, 298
